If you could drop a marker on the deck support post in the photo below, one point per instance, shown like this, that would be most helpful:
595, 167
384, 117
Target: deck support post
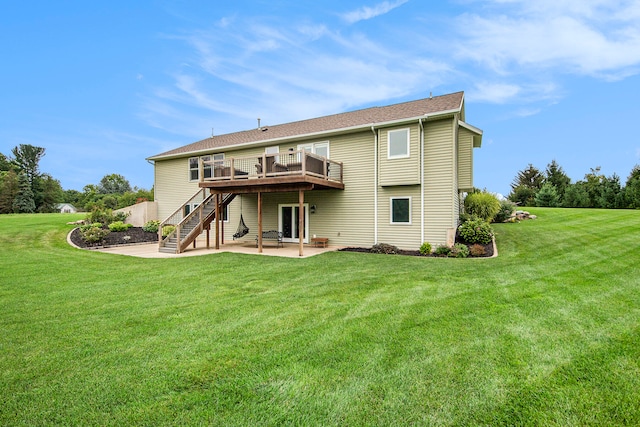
217, 221
259, 222
301, 221
208, 230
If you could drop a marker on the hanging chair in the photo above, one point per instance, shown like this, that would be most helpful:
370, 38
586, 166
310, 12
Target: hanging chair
242, 227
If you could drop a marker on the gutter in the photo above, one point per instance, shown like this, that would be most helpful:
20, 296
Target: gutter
421, 181
375, 186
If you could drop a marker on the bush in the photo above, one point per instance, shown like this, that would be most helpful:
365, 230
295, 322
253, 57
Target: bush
477, 250
442, 250
384, 248
167, 229
425, 248
507, 208
476, 231
483, 205
151, 226
120, 216
102, 215
459, 250
119, 226
93, 233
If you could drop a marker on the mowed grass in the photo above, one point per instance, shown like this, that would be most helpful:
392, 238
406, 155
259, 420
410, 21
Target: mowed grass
548, 333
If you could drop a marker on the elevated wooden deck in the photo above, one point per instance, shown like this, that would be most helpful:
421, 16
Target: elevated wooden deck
282, 172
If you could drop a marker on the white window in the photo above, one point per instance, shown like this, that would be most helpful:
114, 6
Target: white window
273, 150
401, 210
398, 143
319, 148
194, 167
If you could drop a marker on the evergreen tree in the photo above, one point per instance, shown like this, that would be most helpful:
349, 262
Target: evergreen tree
27, 158
529, 177
24, 203
576, 196
547, 196
523, 196
557, 177
632, 188
611, 195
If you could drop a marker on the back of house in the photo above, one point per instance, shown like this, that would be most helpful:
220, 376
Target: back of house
393, 174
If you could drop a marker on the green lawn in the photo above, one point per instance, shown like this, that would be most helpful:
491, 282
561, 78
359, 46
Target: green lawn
548, 333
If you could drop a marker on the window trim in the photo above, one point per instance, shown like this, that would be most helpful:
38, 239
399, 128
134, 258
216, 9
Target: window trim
209, 168
314, 146
407, 131
391, 200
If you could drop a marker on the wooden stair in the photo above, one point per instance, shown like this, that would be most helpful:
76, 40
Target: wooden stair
188, 230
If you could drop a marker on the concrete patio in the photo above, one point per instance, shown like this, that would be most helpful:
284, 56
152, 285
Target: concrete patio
290, 250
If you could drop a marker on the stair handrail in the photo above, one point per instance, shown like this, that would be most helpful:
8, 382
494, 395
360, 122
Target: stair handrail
226, 199
178, 215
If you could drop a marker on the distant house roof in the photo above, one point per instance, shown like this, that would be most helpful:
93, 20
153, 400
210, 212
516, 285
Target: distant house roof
337, 122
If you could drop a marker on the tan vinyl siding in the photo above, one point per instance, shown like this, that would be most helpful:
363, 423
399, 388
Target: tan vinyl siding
172, 186
401, 171
344, 216
465, 159
405, 236
439, 182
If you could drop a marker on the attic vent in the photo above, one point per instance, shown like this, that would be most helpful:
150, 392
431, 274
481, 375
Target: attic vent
264, 129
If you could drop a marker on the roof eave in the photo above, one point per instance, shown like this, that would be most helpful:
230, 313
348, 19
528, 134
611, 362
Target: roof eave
349, 129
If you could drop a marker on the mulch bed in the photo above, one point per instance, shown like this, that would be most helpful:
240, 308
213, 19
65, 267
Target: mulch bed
116, 238
488, 249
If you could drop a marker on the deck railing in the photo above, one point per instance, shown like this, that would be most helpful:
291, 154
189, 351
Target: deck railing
288, 163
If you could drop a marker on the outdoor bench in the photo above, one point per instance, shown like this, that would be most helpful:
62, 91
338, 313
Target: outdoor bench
272, 235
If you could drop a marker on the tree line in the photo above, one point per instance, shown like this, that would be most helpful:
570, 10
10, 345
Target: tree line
24, 189
553, 188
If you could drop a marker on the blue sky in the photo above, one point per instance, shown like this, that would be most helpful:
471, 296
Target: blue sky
103, 85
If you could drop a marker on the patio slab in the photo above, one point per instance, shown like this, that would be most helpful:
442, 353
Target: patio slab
290, 250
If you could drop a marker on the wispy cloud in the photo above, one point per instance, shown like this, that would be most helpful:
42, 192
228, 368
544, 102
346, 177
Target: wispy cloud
507, 52
573, 37
367, 12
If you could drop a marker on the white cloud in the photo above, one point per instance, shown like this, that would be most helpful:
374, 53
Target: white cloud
367, 12
573, 37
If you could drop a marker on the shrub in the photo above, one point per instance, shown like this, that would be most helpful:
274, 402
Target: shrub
102, 215
151, 226
93, 233
120, 216
507, 208
167, 229
119, 226
476, 231
483, 205
384, 248
477, 250
442, 250
459, 250
425, 248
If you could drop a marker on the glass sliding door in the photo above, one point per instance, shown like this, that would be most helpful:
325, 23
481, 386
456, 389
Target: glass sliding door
288, 223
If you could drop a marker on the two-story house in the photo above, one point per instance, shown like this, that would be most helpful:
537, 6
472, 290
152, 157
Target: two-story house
392, 174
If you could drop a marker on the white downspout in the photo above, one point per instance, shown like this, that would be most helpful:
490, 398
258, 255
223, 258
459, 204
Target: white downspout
375, 186
421, 182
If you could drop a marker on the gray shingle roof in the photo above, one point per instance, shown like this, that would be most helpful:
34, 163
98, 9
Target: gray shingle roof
349, 120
